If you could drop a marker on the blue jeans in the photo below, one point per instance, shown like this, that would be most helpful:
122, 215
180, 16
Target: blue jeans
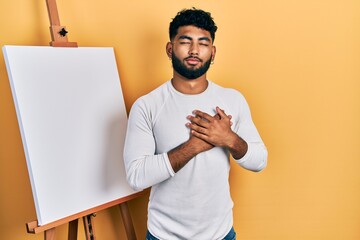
230, 236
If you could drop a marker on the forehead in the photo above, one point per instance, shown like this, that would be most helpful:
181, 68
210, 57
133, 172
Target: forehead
192, 32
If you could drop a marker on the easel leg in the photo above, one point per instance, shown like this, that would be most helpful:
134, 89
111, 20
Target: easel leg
89, 227
129, 228
50, 234
73, 230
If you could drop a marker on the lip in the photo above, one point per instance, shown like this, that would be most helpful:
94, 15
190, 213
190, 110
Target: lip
192, 60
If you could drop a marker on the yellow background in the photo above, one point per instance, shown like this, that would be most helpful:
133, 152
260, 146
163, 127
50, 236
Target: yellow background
298, 64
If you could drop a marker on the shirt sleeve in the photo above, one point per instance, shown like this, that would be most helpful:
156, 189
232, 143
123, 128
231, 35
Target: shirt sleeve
255, 158
143, 167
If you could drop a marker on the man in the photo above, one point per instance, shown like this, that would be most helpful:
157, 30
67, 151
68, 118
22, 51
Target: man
180, 136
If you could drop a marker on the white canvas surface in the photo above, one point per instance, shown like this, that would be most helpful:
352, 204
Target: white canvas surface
72, 119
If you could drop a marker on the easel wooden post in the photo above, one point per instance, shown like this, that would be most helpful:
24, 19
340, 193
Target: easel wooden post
58, 32
59, 39
129, 228
73, 227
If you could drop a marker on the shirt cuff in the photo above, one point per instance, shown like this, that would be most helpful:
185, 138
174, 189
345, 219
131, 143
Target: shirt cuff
168, 164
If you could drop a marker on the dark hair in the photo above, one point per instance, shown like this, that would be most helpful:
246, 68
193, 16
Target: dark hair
194, 17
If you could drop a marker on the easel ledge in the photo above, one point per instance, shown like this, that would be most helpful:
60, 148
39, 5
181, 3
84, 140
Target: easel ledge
33, 227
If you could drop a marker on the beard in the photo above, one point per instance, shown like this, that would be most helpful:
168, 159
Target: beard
186, 72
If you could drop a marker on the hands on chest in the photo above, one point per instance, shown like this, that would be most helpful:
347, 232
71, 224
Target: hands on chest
215, 130
207, 132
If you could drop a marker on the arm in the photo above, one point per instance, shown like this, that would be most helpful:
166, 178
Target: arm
144, 168
139, 151
182, 154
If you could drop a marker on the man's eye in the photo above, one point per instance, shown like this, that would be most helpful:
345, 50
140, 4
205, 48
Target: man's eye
184, 42
204, 44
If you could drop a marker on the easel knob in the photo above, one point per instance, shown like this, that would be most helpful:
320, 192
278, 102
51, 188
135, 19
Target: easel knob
63, 32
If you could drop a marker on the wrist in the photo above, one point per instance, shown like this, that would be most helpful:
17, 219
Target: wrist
196, 145
232, 140
237, 146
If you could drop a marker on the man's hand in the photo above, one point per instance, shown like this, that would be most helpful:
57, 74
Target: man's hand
215, 130
202, 144
207, 132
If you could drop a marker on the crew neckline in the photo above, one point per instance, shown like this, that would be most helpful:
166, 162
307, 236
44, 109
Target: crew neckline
173, 89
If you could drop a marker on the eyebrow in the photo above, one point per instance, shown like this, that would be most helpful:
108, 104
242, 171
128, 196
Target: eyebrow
190, 38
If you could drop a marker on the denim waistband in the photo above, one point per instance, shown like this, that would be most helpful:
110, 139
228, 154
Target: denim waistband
230, 236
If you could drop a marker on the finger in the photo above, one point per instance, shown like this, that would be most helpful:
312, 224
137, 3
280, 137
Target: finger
203, 115
198, 121
230, 117
196, 128
221, 112
199, 135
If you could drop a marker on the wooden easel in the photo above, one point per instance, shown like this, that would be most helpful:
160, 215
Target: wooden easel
49, 229
59, 39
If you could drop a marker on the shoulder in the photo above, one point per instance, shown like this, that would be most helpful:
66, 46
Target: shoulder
231, 100
149, 106
229, 94
153, 98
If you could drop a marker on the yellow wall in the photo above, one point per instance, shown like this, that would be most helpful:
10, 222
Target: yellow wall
296, 61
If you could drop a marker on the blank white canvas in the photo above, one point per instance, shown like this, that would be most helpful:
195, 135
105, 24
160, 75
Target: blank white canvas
72, 119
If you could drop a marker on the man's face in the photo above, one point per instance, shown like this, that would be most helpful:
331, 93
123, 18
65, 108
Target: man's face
191, 52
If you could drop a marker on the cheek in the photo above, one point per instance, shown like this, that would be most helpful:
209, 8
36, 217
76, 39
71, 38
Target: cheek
181, 53
205, 51
183, 49
206, 55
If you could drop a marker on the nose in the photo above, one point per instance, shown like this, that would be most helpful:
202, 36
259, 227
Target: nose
194, 49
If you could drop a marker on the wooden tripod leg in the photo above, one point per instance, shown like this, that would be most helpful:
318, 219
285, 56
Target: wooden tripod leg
89, 227
50, 234
125, 214
73, 230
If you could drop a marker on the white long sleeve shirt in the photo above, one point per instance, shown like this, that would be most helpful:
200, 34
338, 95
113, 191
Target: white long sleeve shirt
194, 203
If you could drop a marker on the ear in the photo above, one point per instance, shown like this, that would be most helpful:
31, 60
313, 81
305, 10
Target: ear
169, 49
213, 52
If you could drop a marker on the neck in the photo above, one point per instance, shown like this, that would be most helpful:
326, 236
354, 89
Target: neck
189, 86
